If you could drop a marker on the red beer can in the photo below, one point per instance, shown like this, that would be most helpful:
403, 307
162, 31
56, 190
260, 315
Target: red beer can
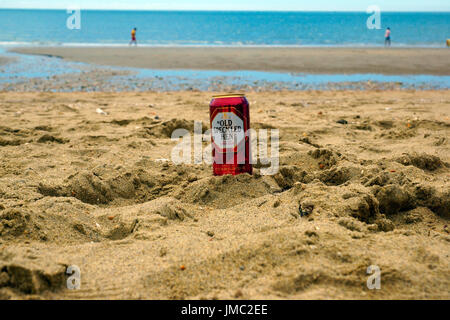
230, 136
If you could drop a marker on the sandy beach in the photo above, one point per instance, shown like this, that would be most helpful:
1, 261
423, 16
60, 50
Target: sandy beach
95, 203
96, 190
4, 60
392, 61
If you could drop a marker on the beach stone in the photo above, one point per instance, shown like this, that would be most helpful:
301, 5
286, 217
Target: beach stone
305, 208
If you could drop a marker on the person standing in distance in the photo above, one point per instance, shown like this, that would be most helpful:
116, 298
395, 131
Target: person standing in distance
387, 38
133, 37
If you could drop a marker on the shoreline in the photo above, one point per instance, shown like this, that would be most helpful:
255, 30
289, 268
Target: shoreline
312, 60
20, 44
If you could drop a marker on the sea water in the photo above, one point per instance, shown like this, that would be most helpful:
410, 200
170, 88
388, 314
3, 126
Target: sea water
206, 28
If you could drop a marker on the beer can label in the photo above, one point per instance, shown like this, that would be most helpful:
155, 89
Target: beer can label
228, 129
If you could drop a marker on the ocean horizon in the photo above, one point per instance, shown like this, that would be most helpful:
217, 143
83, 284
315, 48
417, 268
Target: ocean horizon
42, 27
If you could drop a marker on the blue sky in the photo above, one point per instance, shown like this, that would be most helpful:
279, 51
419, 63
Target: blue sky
285, 5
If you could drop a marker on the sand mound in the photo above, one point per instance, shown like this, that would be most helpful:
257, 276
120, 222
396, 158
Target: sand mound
435, 199
340, 174
15, 137
422, 161
144, 121
50, 219
394, 198
228, 191
29, 272
107, 184
99, 191
13, 222
165, 129
49, 138
140, 220
351, 200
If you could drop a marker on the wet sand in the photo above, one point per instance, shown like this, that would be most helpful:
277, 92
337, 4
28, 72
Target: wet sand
392, 61
4, 60
95, 190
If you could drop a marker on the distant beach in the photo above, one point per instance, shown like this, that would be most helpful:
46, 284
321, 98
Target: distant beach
392, 61
124, 69
4, 60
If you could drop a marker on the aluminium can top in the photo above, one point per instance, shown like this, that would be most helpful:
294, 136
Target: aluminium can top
229, 95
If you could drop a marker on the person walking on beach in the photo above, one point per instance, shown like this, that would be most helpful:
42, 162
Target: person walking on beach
387, 38
133, 37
